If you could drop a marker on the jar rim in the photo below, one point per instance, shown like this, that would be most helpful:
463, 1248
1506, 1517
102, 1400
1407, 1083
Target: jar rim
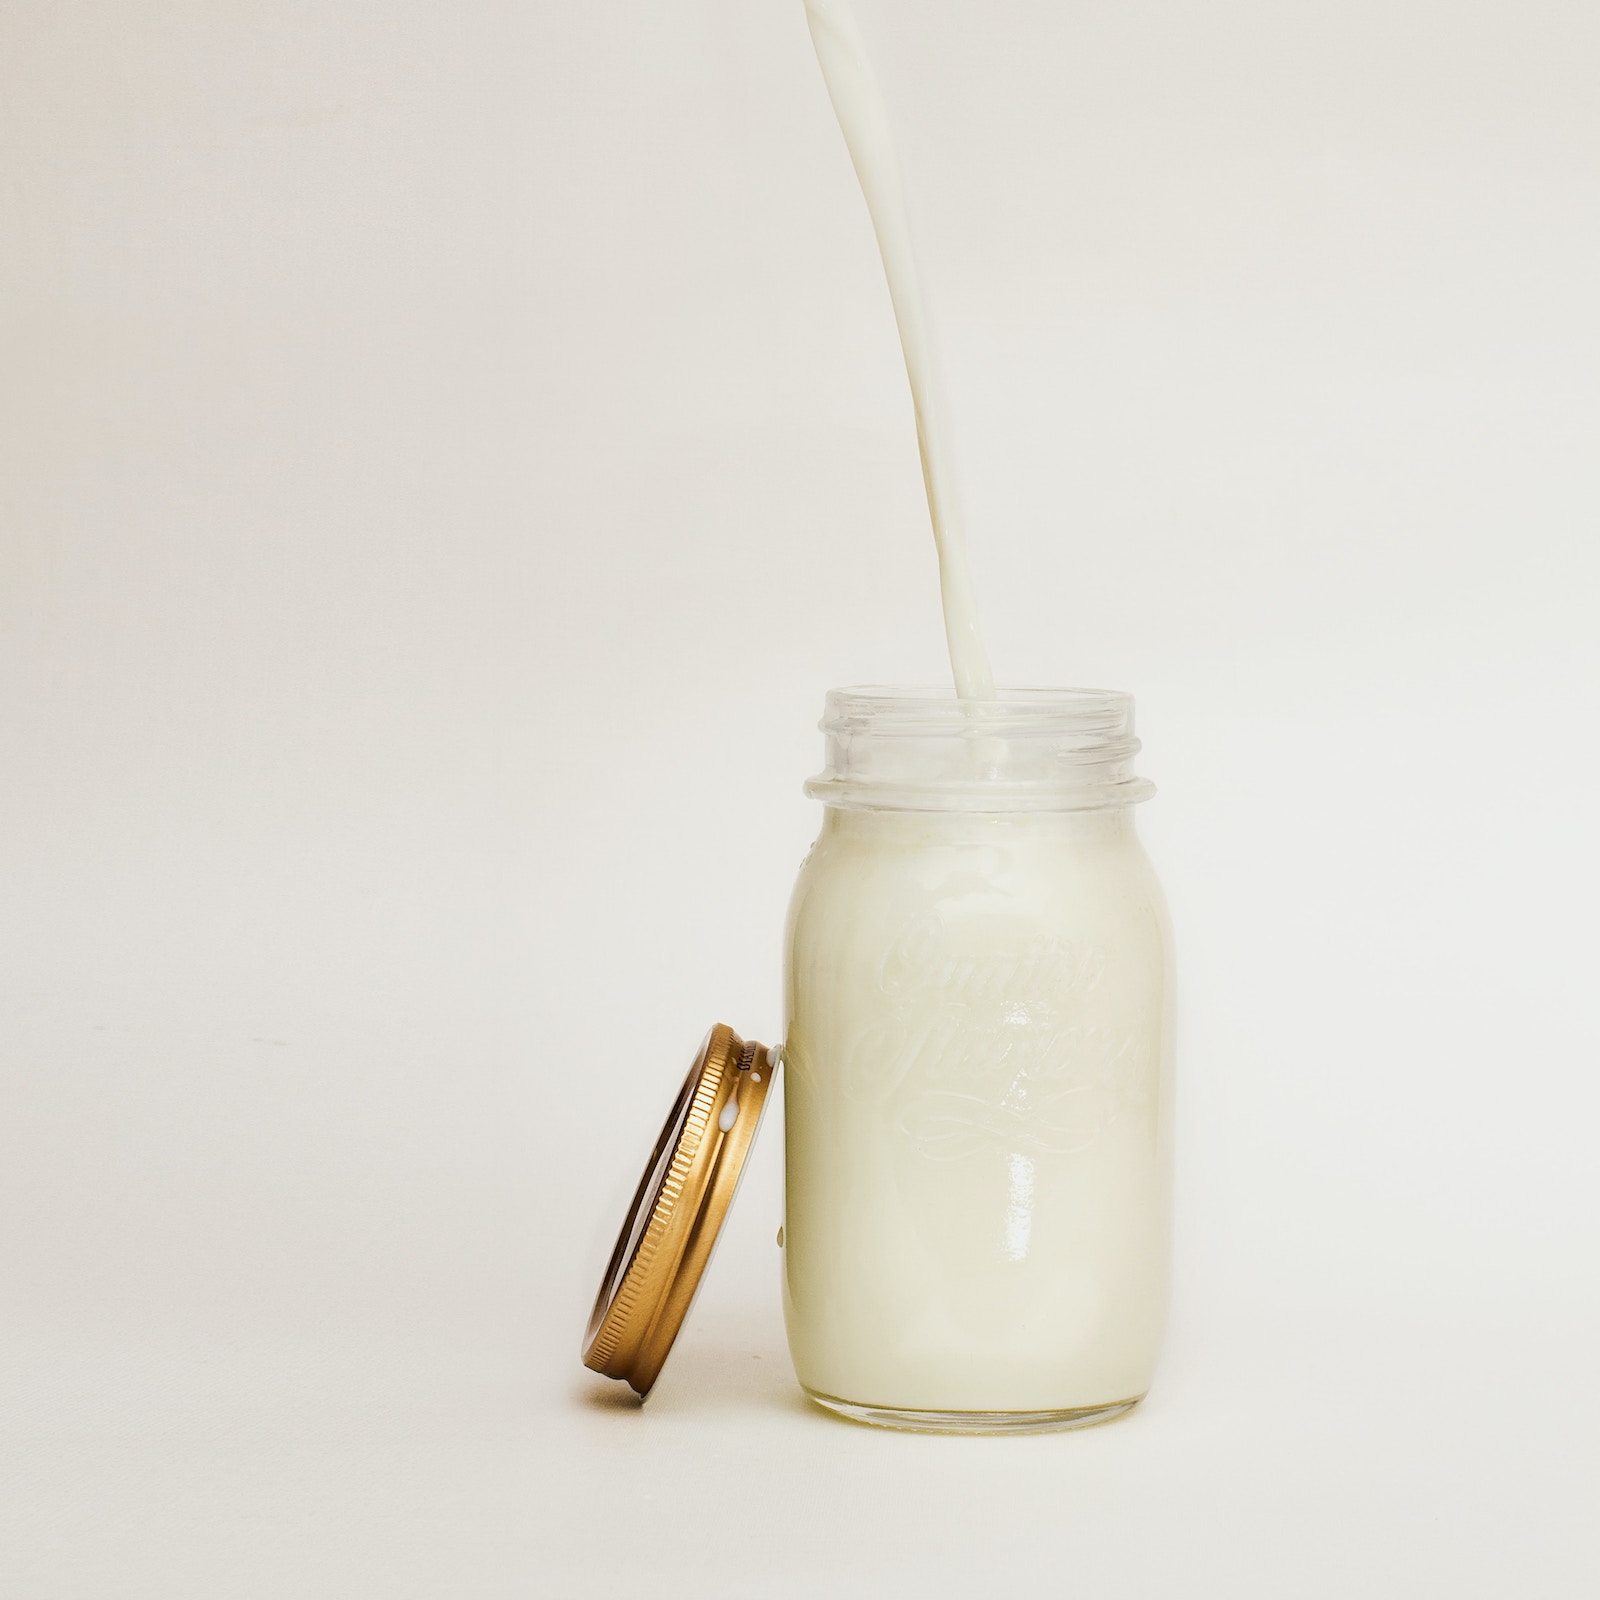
892, 708
928, 749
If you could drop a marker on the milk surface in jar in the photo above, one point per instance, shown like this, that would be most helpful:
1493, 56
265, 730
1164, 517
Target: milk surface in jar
979, 983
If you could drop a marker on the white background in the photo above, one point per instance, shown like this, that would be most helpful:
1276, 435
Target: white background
448, 451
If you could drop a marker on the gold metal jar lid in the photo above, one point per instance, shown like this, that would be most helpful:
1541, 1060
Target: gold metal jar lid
678, 1211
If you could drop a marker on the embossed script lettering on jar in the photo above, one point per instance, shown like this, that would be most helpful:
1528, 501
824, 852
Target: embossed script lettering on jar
992, 1041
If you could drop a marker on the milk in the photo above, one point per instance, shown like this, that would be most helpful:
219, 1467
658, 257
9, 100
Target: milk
979, 984
979, 1112
858, 104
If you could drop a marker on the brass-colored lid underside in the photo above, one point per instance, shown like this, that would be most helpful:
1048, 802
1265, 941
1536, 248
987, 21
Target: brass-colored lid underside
678, 1210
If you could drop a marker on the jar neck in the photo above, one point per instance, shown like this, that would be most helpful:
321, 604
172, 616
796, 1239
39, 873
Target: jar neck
919, 830
1027, 750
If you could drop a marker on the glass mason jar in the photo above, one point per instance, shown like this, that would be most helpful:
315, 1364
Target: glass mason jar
978, 1058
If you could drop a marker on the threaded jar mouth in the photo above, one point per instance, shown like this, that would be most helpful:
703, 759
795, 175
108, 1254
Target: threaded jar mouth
913, 749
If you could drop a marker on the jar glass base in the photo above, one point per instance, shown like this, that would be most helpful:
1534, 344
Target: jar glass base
975, 1421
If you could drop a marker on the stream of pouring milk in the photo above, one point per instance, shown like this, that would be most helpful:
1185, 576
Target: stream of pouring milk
859, 106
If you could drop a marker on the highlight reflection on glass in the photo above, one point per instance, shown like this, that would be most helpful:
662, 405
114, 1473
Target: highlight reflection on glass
1019, 1205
